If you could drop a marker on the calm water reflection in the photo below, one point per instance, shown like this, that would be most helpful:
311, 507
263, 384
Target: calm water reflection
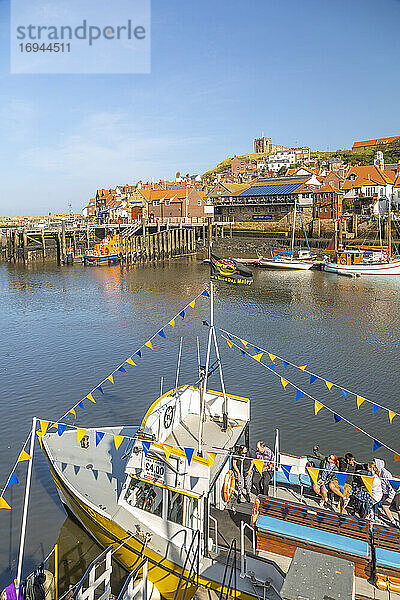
64, 329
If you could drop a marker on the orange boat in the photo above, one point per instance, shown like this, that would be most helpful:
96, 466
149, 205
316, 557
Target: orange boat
107, 252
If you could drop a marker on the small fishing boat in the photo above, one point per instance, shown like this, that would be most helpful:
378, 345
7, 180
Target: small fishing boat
107, 252
363, 260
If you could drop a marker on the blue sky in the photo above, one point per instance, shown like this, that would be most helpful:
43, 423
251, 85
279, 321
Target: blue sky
316, 73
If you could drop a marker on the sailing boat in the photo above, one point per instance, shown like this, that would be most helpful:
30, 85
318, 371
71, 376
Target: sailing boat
303, 261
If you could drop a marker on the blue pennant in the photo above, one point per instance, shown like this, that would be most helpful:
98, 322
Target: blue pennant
205, 293
228, 335
122, 369
376, 445
13, 479
298, 395
271, 366
243, 353
161, 333
286, 470
100, 389
337, 418
61, 428
81, 405
313, 378
341, 479
375, 408
138, 353
344, 392
189, 454
182, 314
99, 437
258, 350
285, 364
395, 483
146, 446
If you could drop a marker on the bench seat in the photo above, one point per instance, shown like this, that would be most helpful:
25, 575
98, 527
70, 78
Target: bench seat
295, 479
387, 558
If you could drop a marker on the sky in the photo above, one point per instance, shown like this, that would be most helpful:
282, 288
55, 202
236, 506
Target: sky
315, 73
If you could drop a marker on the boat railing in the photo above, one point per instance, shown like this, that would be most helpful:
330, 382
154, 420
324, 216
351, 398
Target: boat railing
129, 590
215, 542
193, 567
243, 526
93, 580
231, 572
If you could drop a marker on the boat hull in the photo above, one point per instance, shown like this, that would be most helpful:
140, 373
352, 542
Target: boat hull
293, 265
107, 259
390, 268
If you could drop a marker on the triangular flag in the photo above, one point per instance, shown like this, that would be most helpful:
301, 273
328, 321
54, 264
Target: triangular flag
130, 362
81, 405
72, 412
313, 472
167, 451
13, 479
272, 356
376, 445
149, 345
259, 465
211, 457
285, 364
284, 383
360, 400
4, 504
161, 333
396, 457
337, 418
205, 293
375, 408
258, 356
341, 479
189, 454
118, 439
229, 336
368, 482
329, 385
313, 378
298, 395
245, 344
243, 353
344, 392
99, 387
286, 470
192, 304
229, 343
182, 314
257, 349
99, 437
395, 483
138, 353
172, 323
303, 368
317, 407
357, 430
146, 446
111, 378
91, 398
122, 369
271, 366
391, 415
61, 427
80, 433
43, 426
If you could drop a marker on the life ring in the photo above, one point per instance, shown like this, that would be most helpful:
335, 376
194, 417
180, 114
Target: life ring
255, 511
229, 486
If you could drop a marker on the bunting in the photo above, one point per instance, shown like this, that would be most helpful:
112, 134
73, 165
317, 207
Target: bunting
272, 357
258, 356
286, 471
375, 408
298, 395
189, 453
341, 479
391, 415
329, 385
80, 434
337, 418
259, 465
313, 378
317, 407
345, 393
162, 334
149, 345
167, 451
121, 369
284, 383
229, 343
61, 427
24, 456
211, 458
4, 504
192, 304
182, 314
111, 378
118, 439
44, 426
91, 398
146, 446
313, 472
72, 412
13, 480
99, 437
368, 482
376, 445
130, 362
172, 323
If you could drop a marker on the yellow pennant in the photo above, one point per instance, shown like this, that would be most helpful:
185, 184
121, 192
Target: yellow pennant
118, 439
24, 456
396, 457
258, 356
329, 385
259, 464
55, 426
284, 383
149, 345
43, 426
80, 434
91, 398
245, 344
172, 323
272, 357
303, 368
72, 412
167, 451
211, 457
313, 472
229, 343
317, 406
4, 504
111, 378
192, 304
360, 400
368, 482
391, 415
130, 362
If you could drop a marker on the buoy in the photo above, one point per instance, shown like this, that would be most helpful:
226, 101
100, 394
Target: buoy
229, 486
254, 514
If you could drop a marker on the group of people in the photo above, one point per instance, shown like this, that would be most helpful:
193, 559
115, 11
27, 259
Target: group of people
353, 496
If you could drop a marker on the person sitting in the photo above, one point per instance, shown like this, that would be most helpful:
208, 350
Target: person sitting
265, 454
328, 465
347, 464
241, 465
388, 491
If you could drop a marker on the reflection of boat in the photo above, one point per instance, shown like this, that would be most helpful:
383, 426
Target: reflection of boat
107, 252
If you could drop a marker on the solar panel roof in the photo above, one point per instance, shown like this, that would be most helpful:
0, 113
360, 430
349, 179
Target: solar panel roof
271, 190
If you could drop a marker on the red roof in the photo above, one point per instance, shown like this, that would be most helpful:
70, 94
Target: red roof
376, 142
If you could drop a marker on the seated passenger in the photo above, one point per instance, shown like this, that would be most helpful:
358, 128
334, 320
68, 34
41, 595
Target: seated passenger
265, 454
328, 465
388, 491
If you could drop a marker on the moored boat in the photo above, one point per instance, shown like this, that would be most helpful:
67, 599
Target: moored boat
107, 252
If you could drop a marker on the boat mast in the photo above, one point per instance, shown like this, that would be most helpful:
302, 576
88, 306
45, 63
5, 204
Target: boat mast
294, 227
389, 227
203, 388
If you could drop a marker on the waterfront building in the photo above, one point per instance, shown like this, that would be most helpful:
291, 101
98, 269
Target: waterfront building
182, 202
327, 202
364, 185
367, 144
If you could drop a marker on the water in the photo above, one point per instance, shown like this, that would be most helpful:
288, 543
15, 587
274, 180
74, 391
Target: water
63, 329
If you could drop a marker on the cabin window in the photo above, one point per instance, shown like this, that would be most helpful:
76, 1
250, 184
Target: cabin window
175, 507
193, 513
145, 496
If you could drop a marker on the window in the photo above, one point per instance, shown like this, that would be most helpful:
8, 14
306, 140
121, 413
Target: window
198, 202
167, 202
193, 513
156, 203
145, 496
175, 507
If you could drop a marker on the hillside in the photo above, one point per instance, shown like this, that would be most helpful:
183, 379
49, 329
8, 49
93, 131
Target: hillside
223, 165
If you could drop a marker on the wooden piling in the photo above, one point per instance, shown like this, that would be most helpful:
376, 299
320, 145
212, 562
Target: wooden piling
63, 242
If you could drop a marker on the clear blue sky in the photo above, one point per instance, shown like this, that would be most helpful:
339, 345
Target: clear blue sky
316, 73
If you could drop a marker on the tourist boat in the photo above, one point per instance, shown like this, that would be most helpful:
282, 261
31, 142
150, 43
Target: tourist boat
363, 260
107, 252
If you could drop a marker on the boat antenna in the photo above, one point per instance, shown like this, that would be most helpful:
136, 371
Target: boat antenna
161, 385
178, 366
26, 504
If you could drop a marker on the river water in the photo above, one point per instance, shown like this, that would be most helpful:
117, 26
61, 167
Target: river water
63, 329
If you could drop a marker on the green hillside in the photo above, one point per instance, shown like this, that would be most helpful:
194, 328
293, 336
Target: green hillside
391, 153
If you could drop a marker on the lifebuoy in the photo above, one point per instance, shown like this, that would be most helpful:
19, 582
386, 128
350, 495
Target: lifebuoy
254, 514
229, 486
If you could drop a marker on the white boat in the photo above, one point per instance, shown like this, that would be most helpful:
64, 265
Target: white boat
362, 261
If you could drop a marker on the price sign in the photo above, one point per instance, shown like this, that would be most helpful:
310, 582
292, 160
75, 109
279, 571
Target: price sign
154, 470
